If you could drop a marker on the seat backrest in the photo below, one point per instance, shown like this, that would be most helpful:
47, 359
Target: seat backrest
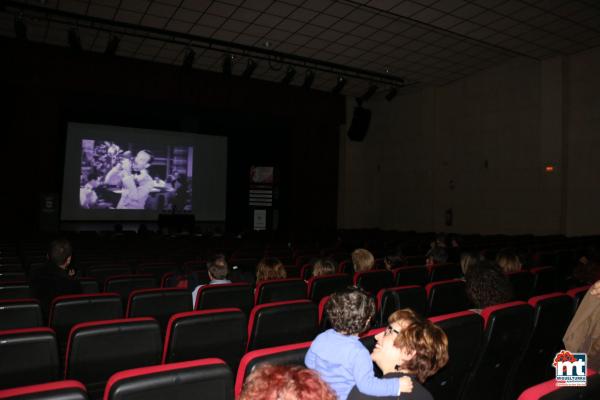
28, 356
61, 390
209, 379
156, 269
552, 315
292, 354
577, 294
160, 304
443, 272
96, 350
306, 271
236, 295
280, 323
220, 333
15, 290
125, 284
11, 276
101, 272
373, 281
464, 330
89, 285
407, 276
395, 298
507, 330
522, 282
549, 391
20, 313
414, 260
445, 297
346, 267
70, 310
544, 280
324, 323
280, 290
325, 285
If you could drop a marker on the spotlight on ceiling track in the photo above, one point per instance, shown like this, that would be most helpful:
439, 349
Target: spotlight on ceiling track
250, 67
309, 77
368, 94
391, 93
289, 75
74, 40
112, 45
340, 83
188, 59
227, 64
20, 27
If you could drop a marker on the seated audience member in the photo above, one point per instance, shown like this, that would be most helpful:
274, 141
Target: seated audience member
508, 261
587, 273
270, 268
410, 346
338, 355
322, 267
285, 382
486, 285
467, 260
436, 255
217, 273
394, 260
595, 289
55, 278
362, 260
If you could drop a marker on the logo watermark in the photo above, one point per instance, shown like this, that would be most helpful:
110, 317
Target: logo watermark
571, 368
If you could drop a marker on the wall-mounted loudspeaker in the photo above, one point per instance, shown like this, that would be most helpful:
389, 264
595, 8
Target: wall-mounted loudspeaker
360, 124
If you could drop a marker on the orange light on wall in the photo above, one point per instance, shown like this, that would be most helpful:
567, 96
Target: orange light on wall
549, 168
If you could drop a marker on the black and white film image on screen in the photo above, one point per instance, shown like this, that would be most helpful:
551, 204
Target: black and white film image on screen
135, 176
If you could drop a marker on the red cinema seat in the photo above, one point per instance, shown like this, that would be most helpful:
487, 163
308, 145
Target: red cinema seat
373, 281
236, 295
159, 304
61, 390
279, 290
445, 297
325, 285
20, 313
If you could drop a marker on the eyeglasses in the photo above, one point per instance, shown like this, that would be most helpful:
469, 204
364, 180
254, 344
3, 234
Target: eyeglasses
389, 330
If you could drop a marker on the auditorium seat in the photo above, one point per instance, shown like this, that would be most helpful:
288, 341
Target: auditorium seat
292, 271
522, 282
206, 379
236, 295
171, 279
20, 313
444, 272
577, 294
280, 290
445, 297
321, 286
89, 285
346, 267
291, 354
406, 276
324, 323
101, 272
368, 340
159, 304
15, 290
69, 310
96, 350
414, 260
392, 299
27, 357
156, 269
507, 329
464, 330
280, 323
549, 391
12, 276
544, 280
552, 315
220, 333
60, 390
306, 271
125, 284
373, 281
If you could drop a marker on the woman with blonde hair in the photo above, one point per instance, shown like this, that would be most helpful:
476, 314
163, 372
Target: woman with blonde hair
322, 267
270, 268
508, 261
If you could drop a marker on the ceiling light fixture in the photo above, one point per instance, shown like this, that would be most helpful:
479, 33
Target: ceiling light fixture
250, 67
289, 75
340, 83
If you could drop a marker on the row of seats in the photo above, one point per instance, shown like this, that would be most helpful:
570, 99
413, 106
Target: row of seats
480, 365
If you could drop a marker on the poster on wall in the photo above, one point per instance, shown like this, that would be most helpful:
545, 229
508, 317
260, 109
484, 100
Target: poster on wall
260, 220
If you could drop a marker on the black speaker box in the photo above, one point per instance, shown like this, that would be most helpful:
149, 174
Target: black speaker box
360, 124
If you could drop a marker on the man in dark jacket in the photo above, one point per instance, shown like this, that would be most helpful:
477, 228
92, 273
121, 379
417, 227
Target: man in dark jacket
55, 278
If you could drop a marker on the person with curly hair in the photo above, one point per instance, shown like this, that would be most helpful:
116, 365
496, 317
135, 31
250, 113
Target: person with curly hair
270, 268
409, 346
339, 356
284, 382
486, 285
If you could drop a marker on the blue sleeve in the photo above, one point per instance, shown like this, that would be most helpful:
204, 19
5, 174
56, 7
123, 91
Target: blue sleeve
310, 359
366, 381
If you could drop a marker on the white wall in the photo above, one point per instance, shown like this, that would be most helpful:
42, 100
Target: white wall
480, 146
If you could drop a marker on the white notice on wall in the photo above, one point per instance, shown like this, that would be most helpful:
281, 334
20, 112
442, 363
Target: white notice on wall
260, 220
